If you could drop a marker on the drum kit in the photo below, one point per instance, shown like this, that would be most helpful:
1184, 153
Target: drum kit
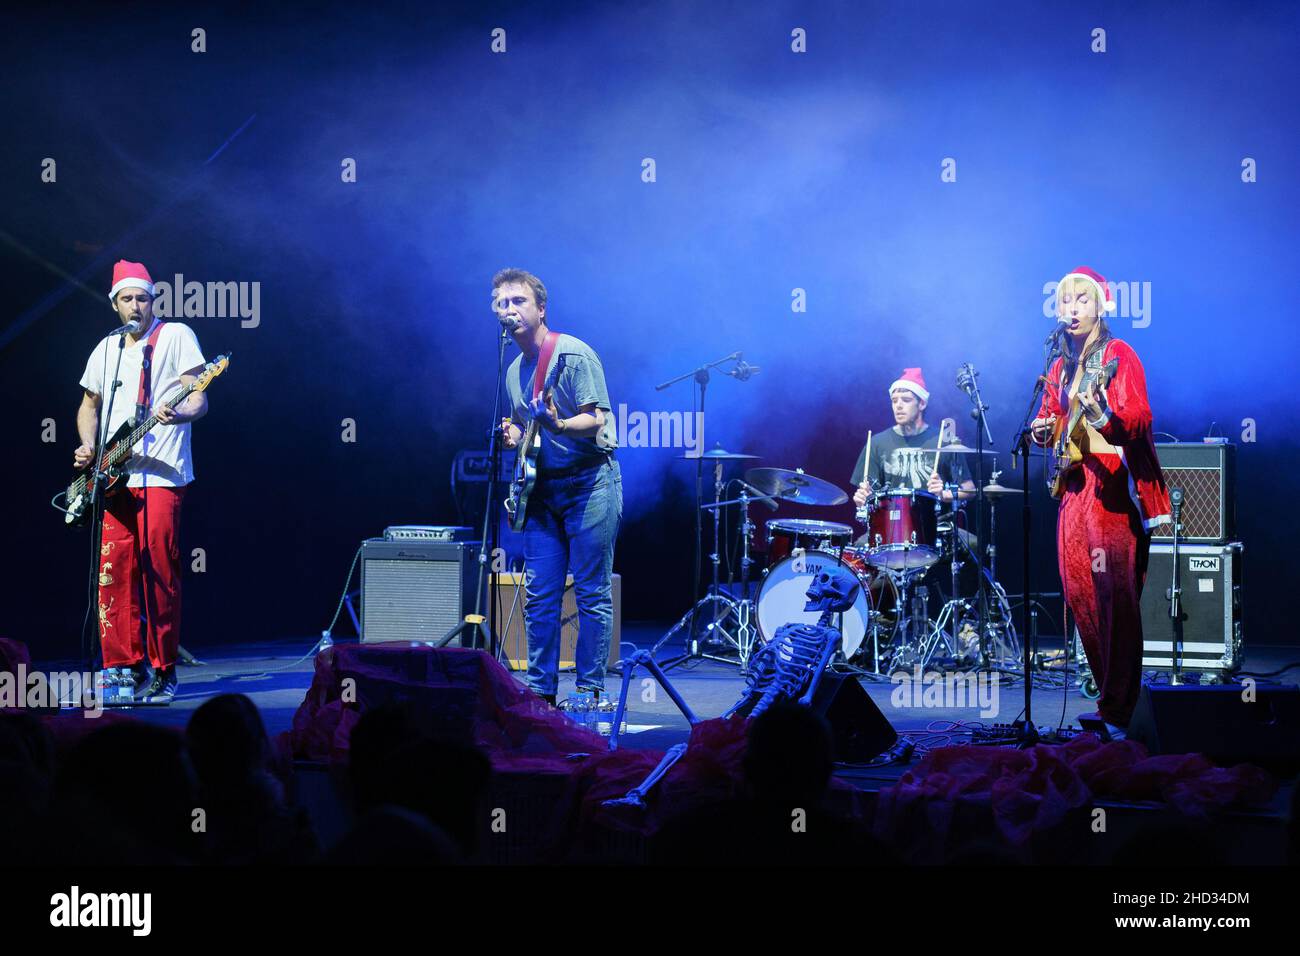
912, 549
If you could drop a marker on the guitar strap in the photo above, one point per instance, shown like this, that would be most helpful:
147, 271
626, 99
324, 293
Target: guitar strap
544, 361
145, 397
1091, 367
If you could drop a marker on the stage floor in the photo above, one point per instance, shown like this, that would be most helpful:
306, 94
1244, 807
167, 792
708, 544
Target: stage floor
276, 675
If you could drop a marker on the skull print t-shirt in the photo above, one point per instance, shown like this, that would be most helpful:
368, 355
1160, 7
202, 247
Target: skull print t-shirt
905, 462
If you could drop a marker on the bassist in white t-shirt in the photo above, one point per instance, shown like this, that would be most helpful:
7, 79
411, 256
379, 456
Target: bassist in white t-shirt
139, 558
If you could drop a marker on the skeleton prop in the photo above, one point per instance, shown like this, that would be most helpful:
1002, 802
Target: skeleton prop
789, 667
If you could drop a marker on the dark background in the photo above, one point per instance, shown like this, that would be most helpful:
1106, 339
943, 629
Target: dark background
775, 171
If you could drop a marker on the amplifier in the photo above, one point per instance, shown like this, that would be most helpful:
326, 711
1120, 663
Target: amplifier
1210, 579
510, 620
415, 590
427, 532
1207, 474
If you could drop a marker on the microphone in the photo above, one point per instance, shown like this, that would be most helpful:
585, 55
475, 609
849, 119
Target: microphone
508, 323
129, 328
743, 371
966, 376
1061, 323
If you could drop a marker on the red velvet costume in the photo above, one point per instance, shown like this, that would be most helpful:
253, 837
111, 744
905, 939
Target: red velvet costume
1109, 505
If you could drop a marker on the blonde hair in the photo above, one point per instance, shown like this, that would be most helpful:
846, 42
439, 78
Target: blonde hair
1103, 333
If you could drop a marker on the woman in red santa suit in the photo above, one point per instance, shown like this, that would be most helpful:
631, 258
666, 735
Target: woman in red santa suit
1113, 499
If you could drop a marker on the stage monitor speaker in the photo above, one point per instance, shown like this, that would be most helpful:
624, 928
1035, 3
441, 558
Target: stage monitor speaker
1219, 722
1208, 476
416, 591
510, 620
1210, 578
860, 730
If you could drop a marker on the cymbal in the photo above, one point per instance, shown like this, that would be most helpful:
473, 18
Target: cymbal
1001, 491
965, 449
795, 486
718, 453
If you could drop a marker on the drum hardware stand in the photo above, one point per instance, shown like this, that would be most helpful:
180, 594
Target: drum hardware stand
904, 580
746, 633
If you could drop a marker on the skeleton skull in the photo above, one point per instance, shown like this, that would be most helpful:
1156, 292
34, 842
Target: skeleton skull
833, 589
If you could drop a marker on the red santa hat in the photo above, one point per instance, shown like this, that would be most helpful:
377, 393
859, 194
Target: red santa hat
129, 275
1098, 283
914, 382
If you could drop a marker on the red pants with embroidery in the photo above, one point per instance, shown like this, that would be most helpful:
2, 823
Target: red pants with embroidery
140, 561
1103, 551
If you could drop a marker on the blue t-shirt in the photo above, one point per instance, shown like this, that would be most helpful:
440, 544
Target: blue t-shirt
580, 381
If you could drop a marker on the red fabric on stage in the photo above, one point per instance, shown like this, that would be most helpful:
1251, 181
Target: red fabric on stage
504, 718
1031, 791
140, 559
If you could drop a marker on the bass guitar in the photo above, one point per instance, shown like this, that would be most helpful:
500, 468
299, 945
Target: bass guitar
112, 462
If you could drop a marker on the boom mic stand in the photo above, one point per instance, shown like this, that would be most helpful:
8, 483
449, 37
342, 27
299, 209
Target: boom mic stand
473, 624
701, 377
968, 381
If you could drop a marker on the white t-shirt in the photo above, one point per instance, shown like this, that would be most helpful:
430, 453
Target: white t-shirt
163, 456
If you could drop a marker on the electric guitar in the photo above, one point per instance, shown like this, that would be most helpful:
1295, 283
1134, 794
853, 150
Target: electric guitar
530, 446
119, 450
1067, 434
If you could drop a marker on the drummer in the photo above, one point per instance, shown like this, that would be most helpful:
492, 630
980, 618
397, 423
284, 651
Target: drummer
903, 458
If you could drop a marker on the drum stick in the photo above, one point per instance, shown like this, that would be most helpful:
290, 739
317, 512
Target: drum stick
947, 424
866, 464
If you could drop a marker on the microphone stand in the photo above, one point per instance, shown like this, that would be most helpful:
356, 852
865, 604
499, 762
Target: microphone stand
473, 624
1028, 735
1176, 593
972, 390
97, 479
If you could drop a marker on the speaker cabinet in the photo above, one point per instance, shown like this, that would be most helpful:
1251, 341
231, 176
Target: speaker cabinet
1210, 579
1208, 476
415, 591
1219, 722
510, 620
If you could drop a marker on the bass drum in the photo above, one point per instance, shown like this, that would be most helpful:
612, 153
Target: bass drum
783, 594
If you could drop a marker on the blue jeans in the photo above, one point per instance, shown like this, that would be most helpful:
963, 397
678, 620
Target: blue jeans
572, 523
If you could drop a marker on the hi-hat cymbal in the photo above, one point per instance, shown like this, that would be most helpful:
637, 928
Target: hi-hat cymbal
718, 453
996, 491
795, 486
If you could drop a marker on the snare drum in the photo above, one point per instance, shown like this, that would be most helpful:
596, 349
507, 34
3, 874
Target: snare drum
786, 534
902, 531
